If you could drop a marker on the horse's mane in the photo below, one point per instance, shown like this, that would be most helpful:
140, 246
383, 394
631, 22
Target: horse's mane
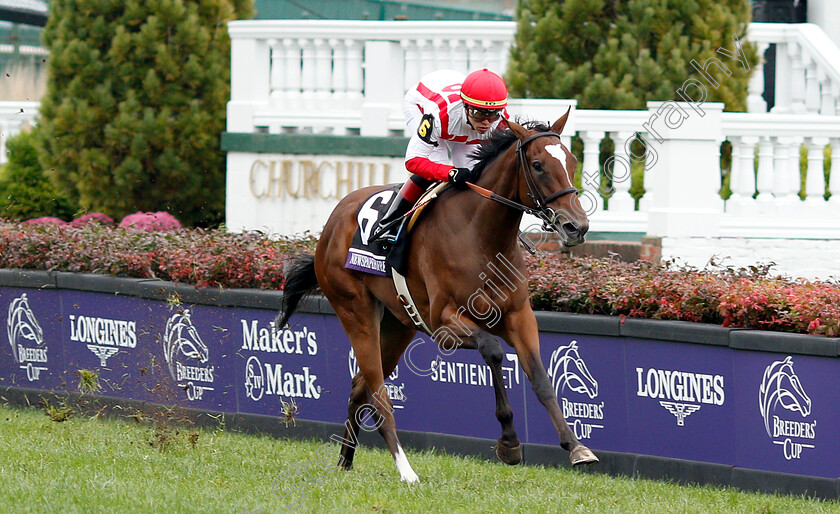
500, 141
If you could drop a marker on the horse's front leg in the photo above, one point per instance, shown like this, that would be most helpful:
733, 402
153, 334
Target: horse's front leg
522, 333
507, 448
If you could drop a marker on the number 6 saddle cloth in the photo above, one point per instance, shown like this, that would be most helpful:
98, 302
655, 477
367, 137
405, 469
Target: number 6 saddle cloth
379, 257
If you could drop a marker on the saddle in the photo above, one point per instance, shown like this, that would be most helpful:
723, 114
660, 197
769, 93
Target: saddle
379, 257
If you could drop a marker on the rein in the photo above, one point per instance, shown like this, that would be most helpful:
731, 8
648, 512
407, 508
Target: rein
542, 211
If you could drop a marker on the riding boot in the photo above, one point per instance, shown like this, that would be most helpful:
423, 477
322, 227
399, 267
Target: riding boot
399, 207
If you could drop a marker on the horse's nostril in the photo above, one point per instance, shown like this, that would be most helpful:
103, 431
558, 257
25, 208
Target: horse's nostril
570, 228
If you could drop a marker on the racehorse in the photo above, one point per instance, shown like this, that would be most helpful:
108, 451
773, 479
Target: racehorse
180, 336
450, 248
21, 324
781, 385
567, 369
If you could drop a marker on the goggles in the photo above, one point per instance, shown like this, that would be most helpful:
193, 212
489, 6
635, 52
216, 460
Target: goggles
480, 115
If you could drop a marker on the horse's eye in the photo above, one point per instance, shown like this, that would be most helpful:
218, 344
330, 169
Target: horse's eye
537, 166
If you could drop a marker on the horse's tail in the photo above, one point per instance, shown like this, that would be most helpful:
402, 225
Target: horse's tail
300, 281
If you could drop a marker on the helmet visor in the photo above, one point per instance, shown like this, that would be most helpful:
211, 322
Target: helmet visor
480, 115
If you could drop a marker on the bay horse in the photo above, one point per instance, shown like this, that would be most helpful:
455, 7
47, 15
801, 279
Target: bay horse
450, 247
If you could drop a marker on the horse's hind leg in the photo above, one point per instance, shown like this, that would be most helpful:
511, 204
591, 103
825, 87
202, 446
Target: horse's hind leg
394, 338
507, 448
361, 320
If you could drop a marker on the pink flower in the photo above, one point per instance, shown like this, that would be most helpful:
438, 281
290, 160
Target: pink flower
96, 218
150, 221
45, 220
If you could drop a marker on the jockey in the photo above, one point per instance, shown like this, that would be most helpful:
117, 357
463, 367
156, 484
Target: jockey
447, 114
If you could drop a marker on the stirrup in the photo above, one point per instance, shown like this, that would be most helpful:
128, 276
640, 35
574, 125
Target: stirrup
388, 232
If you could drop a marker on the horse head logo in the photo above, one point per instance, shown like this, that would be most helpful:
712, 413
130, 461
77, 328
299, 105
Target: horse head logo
567, 369
780, 385
22, 325
181, 337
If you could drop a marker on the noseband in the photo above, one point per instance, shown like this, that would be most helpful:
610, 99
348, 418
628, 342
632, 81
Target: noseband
542, 211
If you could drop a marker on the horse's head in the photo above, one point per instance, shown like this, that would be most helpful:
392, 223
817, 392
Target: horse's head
181, 337
548, 170
22, 324
780, 385
567, 369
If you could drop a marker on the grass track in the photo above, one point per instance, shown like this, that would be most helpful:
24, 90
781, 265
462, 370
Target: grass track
106, 465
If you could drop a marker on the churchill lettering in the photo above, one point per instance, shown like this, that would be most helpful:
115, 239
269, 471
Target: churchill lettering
314, 179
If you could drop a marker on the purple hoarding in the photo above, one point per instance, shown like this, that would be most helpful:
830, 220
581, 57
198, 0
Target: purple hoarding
700, 402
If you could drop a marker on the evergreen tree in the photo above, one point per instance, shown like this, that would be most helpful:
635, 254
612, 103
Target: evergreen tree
619, 54
135, 104
25, 191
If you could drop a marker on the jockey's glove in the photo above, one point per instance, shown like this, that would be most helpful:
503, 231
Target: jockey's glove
460, 176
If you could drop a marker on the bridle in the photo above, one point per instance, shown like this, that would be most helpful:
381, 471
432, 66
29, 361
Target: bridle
542, 210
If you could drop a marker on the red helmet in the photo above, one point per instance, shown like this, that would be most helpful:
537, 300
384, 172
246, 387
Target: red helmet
484, 89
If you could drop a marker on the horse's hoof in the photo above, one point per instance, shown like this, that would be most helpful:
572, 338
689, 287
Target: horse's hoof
509, 455
582, 455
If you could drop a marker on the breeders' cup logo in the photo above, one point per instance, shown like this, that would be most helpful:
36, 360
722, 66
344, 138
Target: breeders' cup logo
782, 391
681, 392
27, 338
395, 392
184, 350
568, 371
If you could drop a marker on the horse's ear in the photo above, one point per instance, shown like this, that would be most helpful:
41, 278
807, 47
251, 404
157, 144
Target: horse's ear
518, 130
560, 123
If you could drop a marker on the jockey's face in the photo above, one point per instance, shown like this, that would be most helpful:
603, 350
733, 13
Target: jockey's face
482, 119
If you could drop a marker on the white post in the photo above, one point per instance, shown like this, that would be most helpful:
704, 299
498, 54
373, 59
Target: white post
815, 179
782, 99
834, 173
250, 80
687, 179
355, 80
742, 181
797, 79
621, 173
812, 89
755, 102
591, 171
764, 181
782, 155
384, 88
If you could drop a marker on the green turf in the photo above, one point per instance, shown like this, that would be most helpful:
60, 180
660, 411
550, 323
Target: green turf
88, 464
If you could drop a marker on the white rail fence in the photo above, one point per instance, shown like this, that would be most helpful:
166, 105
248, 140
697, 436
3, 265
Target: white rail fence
348, 78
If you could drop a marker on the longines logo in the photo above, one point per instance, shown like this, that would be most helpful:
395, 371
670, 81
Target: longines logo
270, 379
568, 372
395, 392
780, 391
27, 338
184, 351
680, 392
104, 337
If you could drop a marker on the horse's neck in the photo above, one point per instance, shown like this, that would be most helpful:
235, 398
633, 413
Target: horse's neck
495, 222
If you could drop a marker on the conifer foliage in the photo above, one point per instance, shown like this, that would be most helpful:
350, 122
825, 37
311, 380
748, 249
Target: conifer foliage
135, 104
619, 54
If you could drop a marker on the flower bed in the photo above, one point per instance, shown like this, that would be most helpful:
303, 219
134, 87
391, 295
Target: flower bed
751, 298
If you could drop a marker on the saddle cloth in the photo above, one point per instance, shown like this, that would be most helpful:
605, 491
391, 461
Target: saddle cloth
379, 257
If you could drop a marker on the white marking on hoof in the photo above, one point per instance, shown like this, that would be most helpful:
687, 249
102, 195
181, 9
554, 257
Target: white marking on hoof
406, 473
